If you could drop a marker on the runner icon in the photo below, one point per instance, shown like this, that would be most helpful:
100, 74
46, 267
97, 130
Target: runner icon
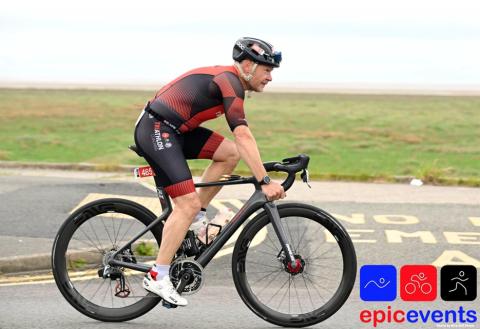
457, 283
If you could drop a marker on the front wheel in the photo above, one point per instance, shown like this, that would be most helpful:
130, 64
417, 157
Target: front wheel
290, 297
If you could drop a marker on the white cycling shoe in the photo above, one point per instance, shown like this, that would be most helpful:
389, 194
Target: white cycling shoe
164, 288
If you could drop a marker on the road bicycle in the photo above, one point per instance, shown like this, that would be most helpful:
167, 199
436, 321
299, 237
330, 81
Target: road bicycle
293, 264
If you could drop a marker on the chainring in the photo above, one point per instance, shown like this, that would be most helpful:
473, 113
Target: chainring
180, 267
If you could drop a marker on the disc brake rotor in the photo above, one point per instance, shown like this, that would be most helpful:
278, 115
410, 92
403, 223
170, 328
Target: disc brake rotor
179, 268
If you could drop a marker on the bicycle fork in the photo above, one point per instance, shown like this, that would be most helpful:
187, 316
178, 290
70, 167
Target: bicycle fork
272, 211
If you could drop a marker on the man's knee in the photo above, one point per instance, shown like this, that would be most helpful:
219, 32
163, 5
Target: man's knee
189, 204
227, 152
231, 153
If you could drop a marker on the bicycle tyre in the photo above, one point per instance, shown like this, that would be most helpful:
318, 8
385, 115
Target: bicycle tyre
61, 266
246, 246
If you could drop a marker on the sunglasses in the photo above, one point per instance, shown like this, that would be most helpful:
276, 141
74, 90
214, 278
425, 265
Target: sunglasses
277, 57
274, 58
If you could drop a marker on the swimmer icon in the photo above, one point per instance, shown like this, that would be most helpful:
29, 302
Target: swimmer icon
378, 283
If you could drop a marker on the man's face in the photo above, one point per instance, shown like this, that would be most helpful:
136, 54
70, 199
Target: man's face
262, 76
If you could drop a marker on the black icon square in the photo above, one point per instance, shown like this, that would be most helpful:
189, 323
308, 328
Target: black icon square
458, 282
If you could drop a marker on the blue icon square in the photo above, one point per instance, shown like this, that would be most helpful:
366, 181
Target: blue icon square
378, 283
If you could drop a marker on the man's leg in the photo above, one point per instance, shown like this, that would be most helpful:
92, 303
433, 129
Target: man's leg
225, 159
157, 279
176, 226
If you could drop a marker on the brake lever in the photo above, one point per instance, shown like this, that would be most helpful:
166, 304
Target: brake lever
306, 177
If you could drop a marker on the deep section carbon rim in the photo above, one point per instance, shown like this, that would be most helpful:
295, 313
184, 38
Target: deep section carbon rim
295, 297
81, 250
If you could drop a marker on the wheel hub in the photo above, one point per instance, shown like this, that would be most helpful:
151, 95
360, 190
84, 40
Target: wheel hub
299, 265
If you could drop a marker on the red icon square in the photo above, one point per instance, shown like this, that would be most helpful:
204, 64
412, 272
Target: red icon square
418, 283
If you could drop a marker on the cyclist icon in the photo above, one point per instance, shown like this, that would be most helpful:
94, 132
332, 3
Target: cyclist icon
457, 283
417, 282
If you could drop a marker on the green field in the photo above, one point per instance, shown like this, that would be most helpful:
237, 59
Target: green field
351, 137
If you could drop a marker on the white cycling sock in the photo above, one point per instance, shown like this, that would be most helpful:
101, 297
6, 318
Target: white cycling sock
160, 271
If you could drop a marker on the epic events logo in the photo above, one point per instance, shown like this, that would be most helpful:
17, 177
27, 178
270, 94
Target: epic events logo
418, 283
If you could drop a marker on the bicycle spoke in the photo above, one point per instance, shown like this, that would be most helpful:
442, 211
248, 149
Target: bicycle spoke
303, 234
320, 288
99, 251
285, 294
111, 291
114, 231
260, 272
98, 289
314, 235
323, 266
106, 230
277, 267
118, 232
264, 277
308, 290
93, 243
269, 282
298, 298
289, 297
314, 252
85, 286
314, 286
290, 235
319, 276
267, 253
128, 230
279, 290
273, 244
95, 233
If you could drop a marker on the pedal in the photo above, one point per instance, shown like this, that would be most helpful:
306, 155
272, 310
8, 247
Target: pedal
168, 305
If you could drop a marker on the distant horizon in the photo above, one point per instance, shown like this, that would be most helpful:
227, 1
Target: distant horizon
299, 87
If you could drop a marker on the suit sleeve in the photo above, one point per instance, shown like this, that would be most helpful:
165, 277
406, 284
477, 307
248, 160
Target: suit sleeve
233, 95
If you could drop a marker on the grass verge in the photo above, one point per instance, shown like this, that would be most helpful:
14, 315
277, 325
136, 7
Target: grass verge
348, 137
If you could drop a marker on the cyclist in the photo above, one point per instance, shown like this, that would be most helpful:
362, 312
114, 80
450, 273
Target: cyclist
168, 133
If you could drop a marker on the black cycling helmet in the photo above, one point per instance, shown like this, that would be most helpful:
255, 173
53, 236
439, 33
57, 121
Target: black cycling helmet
262, 53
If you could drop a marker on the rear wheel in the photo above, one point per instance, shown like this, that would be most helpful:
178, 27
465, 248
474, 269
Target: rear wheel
81, 249
301, 296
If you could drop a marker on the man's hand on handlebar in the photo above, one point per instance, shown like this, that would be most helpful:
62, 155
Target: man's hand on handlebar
273, 191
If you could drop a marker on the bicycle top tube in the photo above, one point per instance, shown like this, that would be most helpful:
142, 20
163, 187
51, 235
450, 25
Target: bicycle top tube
290, 166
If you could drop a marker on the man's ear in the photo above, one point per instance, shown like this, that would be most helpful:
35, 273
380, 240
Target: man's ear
247, 66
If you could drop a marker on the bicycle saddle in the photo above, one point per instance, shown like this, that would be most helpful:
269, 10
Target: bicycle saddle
135, 149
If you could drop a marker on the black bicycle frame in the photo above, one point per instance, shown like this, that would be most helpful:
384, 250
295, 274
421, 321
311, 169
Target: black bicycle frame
256, 202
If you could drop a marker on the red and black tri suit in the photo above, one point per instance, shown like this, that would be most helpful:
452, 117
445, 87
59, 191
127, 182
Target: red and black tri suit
168, 131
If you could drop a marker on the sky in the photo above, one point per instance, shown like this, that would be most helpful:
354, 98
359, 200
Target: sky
408, 42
